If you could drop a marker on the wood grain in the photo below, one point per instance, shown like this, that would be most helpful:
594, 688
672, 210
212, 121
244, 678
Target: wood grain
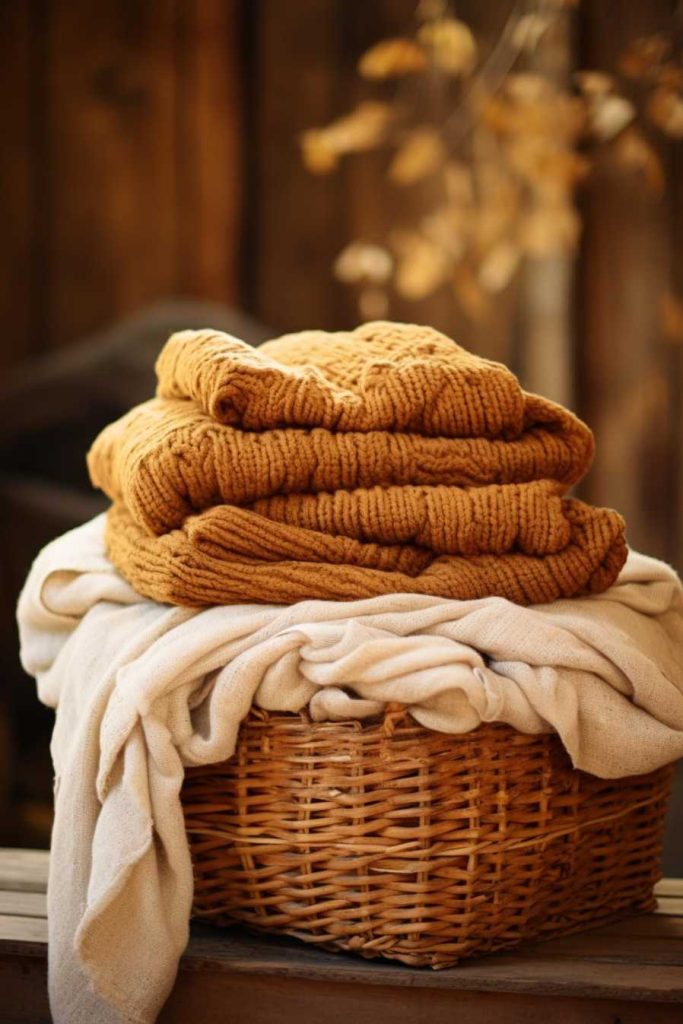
23, 904
276, 1001
625, 371
121, 162
23, 870
631, 971
210, 129
17, 172
112, 232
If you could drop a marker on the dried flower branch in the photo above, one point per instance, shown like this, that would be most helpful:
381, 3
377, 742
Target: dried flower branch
451, 45
364, 128
392, 59
501, 171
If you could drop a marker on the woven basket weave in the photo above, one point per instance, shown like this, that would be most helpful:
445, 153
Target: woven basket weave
390, 840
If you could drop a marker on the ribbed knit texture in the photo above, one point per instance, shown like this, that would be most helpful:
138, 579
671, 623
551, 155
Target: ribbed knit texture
349, 465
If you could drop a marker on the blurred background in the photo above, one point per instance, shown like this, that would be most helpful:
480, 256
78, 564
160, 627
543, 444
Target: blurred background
508, 172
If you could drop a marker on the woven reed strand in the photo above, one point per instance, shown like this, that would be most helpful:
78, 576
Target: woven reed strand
390, 840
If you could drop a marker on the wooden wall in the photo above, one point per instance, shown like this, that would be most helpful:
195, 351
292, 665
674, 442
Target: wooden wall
120, 162
630, 371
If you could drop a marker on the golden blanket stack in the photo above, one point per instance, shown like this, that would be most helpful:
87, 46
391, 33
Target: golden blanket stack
347, 465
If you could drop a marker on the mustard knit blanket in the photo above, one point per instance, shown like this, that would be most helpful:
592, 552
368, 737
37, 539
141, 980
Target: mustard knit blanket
348, 465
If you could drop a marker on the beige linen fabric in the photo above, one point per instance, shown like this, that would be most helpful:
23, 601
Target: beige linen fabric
142, 689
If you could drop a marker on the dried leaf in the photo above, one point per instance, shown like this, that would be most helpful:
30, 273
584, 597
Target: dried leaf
496, 211
528, 87
318, 155
451, 44
392, 58
361, 261
532, 106
458, 180
594, 83
643, 55
609, 115
448, 227
491, 223
422, 153
665, 108
495, 186
469, 293
550, 230
545, 166
499, 266
422, 265
672, 318
635, 153
362, 129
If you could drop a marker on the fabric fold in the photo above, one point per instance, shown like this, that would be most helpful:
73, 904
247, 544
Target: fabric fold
347, 465
142, 689
380, 377
228, 554
165, 459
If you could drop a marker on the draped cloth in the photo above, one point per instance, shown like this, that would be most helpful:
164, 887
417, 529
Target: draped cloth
143, 689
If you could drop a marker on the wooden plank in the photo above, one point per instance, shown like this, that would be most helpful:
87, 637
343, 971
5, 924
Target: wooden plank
121, 162
661, 948
209, 149
655, 925
577, 981
236, 1000
669, 887
24, 870
15, 929
504, 972
19, 73
23, 904
111, 237
627, 388
671, 905
296, 221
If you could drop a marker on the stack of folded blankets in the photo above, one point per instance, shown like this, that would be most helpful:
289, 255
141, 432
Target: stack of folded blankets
330, 523
349, 465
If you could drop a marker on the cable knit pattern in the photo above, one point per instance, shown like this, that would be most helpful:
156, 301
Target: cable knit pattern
424, 385
348, 465
166, 459
206, 562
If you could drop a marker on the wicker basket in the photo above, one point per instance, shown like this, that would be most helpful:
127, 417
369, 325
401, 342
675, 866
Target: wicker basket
390, 840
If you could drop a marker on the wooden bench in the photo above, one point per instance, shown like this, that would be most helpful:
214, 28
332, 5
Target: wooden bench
625, 973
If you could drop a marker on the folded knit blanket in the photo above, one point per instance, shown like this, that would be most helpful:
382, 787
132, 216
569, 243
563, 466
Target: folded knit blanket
349, 465
142, 689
